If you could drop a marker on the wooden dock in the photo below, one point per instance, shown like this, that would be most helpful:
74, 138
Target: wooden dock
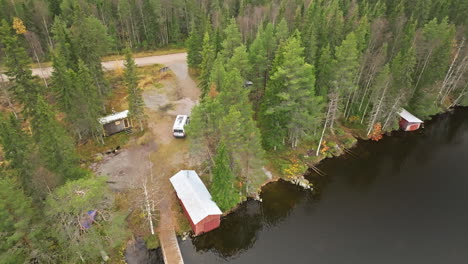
167, 236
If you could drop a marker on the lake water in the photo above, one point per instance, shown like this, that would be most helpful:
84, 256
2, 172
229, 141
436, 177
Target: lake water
403, 199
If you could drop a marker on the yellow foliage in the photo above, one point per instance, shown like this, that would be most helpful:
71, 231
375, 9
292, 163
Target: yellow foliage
295, 169
353, 119
19, 26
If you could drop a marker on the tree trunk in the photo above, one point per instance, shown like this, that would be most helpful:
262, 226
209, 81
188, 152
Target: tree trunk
375, 115
449, 72
148, 209
422, 71
324, 128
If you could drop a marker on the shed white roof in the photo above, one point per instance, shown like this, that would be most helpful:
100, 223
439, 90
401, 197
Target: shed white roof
409, 117
114, 117
194, 195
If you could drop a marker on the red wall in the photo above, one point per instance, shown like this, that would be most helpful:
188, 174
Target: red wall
407, 126
207, 224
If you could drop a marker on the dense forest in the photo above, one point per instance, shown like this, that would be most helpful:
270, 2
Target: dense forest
289, 75
277, 77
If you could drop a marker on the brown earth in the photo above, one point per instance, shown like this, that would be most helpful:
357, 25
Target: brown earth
157, 155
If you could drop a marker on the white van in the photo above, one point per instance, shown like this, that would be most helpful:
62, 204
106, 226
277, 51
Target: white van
179, 124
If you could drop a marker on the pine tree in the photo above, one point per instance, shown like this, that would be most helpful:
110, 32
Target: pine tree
223, 188
135, 98
297, 99
243, 142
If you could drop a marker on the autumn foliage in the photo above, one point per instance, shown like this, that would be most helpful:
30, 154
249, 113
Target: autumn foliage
376, 134
19, 27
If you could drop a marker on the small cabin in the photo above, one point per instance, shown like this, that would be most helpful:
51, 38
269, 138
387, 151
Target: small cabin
199, 208
409, 122
115, 123
178, 130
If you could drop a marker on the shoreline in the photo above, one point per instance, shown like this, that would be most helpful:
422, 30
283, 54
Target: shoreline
276, 178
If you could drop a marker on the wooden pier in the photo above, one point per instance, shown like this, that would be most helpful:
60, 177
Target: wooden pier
167, 236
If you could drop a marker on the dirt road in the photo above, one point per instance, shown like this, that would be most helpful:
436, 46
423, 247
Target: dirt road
111, 65
160, 155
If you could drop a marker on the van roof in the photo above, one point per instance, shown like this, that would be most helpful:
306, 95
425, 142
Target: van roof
180, 121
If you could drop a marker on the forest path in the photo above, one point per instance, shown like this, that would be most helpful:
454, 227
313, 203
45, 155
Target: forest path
112, 65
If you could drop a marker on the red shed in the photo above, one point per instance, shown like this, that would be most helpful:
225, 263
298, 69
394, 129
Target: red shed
409, 122
202, 212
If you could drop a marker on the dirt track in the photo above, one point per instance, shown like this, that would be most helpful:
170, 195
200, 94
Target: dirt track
111, 65
158, 157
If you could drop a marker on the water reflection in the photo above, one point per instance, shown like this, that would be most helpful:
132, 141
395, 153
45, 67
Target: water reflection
402, 200
238, 231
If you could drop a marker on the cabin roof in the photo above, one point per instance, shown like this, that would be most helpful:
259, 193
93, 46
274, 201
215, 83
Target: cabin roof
114, 117
409, 117
194, 195
179, 122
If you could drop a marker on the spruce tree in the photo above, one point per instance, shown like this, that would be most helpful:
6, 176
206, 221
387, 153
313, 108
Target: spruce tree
343, 81
208, 57
90, 42
135, 98
240, 61
17, 62
281, 31
261, 54
223, 189
21, 241
217, 73
90, 103
66, 208
55, 146
17, 148
204, 129
325, 70
233, 39
194, 48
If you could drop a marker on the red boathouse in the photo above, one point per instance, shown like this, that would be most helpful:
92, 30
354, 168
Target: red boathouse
202, 212
409, 122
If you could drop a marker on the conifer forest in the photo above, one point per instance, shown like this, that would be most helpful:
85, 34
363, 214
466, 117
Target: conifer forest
283, 84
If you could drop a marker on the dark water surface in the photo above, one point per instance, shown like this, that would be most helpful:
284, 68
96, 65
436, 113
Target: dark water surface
402, 200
